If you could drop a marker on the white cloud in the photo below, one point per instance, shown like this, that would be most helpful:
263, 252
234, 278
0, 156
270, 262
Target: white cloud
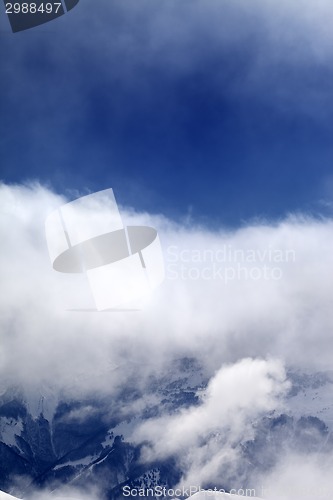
204, 437
299, 476
234, 395
288, 318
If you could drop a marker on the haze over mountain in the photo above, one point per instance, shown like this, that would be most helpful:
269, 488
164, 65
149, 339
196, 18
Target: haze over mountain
189, 390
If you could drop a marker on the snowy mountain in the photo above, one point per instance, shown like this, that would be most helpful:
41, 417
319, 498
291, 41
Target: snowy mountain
5, 496
47, 441
312, 395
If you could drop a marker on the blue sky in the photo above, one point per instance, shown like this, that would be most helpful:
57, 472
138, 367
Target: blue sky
215, 109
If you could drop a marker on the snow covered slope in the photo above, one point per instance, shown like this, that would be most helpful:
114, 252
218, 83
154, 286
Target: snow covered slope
5, 496
312, 395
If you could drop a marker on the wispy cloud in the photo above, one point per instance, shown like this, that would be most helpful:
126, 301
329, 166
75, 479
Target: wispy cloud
204, 438
213, 320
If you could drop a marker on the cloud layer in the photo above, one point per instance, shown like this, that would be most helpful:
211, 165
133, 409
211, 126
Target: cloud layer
195, 312
242, 330
299, 476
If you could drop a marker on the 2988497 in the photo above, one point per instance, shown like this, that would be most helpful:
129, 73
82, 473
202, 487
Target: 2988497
32, 8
